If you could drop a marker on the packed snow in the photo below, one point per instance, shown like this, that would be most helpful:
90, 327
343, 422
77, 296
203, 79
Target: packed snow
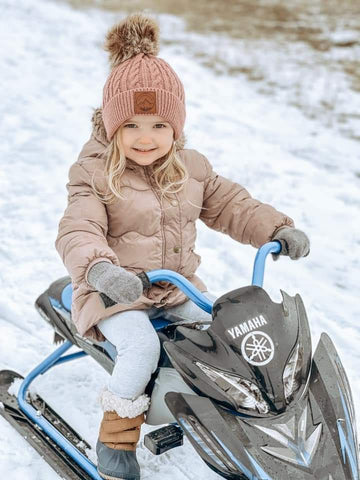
53, 71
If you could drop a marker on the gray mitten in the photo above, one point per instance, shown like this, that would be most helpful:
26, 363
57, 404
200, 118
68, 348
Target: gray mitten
118, 284
294, 243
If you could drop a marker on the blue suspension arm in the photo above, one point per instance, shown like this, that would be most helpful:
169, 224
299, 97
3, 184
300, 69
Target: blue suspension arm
54, 359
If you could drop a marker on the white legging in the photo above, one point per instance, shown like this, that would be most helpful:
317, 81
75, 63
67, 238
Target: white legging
138, 346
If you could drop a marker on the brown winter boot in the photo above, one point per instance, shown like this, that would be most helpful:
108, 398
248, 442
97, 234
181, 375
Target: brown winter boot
118, 437
120, 433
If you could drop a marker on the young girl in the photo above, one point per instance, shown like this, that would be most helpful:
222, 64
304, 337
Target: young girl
134, 196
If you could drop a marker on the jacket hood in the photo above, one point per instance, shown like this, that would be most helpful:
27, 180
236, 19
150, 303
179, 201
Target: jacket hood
99, 131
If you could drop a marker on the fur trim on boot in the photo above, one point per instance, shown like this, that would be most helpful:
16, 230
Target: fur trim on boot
110, 402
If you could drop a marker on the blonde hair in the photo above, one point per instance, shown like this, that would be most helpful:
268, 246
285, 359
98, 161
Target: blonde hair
169, 172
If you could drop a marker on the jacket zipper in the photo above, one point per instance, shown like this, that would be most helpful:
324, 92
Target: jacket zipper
161, 220
181, 239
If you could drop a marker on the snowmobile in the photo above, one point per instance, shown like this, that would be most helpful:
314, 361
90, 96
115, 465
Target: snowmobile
244, 389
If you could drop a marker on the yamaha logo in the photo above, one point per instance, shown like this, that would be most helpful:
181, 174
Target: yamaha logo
257, 348
246, 327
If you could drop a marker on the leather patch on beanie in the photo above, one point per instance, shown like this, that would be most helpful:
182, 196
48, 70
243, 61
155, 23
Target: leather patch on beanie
145, 102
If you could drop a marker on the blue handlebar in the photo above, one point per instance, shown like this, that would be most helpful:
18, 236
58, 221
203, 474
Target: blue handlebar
195, 295
259, 263
185, 286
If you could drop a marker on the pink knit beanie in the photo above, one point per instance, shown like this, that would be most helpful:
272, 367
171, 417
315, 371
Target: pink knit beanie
140, 83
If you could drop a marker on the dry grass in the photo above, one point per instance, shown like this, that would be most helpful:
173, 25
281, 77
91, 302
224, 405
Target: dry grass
308, 21
302, 20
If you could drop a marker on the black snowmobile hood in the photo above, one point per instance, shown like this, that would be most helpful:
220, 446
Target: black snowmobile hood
314, 439
251, 337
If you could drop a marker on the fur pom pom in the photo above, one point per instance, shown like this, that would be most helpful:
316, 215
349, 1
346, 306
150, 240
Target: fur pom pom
136, 34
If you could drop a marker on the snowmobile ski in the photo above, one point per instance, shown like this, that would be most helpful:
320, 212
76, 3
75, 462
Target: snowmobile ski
62, 463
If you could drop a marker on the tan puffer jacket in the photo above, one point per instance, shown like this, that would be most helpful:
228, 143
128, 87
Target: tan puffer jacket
144, 232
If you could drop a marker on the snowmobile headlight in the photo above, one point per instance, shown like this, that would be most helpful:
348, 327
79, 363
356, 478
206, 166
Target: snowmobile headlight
244, 393
292, 373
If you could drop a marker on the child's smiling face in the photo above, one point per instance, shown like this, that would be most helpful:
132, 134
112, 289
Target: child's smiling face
146, 138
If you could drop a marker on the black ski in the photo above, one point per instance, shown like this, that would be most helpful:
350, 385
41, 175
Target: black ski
62, 463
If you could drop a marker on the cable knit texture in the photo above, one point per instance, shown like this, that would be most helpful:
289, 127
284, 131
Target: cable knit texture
140, 83
110, 402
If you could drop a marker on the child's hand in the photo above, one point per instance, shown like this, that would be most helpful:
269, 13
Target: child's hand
118, 284
294, 243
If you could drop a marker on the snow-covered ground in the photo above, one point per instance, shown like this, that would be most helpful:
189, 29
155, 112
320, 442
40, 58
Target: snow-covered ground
53, 70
